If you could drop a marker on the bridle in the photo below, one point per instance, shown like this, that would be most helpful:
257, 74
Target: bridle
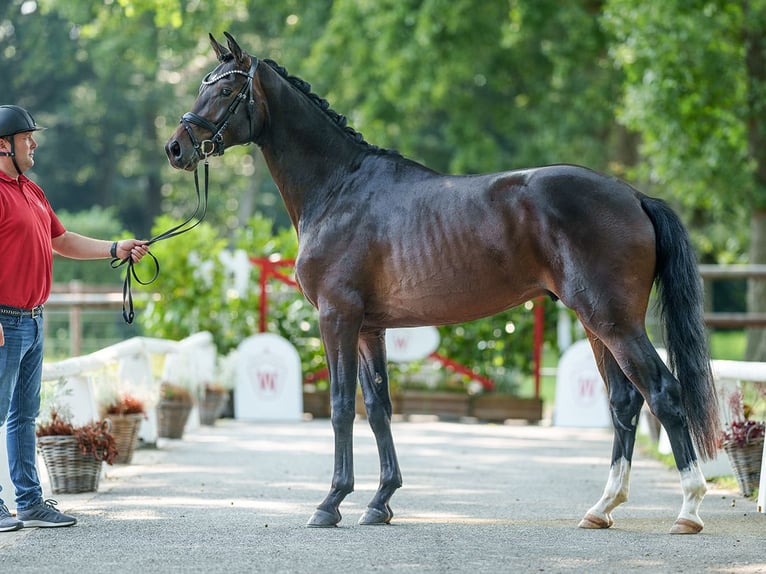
214, 145
205, 148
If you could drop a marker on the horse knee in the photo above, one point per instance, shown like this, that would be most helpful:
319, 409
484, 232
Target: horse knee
343, 413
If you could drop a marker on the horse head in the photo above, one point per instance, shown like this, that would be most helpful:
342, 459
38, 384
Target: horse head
227, 111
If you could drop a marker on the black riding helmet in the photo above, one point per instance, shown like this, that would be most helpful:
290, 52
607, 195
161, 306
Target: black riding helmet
15, 120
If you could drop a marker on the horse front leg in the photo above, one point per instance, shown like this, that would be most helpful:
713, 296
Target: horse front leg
340, 335
625, 404
373, 376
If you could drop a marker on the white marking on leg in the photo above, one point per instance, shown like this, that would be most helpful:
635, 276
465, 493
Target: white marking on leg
615, 491
694, 488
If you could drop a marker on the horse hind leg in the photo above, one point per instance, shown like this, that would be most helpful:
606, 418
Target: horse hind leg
373, 376
664, 400
662, 392
625, 404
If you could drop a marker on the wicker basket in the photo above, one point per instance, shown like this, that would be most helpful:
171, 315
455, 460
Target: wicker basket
125, 430
211, 406
69, 470
746, 462
172, 417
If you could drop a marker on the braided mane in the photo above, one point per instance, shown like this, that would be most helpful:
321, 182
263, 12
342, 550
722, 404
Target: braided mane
324, 105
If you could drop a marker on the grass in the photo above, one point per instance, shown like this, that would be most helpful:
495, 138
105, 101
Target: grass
729, 345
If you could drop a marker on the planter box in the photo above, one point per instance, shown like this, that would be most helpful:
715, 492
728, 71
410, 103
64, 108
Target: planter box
443, 404
501, 407
317, 404
451, 405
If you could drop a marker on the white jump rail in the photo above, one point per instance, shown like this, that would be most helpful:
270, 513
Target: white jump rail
734, 372
136, 365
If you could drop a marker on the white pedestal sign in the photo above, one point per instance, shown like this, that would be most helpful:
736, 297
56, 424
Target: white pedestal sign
581, 399
411, 344
269, 385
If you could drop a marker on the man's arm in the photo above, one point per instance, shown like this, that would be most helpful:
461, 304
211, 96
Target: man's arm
76, 246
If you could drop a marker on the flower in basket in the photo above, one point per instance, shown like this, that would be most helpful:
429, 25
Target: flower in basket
126, 413
125, 404
173, 410
175, 393
741, 432
93, 439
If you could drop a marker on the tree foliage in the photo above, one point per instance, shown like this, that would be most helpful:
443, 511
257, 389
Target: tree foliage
668, 95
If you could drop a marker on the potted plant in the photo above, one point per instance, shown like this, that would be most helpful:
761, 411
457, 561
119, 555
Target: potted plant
214, 396
742, 439
74, 455
173, 410
125, 412
212, 402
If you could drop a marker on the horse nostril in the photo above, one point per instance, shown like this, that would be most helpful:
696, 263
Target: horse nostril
173, 149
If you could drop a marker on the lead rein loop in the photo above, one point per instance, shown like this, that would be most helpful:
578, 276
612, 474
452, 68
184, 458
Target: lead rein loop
130, 273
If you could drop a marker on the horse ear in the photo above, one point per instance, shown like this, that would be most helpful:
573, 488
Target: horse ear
239, 55
220, 51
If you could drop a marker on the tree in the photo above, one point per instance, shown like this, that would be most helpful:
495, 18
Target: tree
695, 81
467, 87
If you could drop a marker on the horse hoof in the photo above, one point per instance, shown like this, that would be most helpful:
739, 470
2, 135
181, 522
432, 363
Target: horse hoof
323, 519
375, 517
685, 526
593, 521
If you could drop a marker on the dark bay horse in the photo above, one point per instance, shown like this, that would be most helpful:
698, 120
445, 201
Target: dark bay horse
385, 242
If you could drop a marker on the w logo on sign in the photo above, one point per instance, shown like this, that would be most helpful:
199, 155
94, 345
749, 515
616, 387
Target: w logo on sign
268, 382
588, 387
401, 342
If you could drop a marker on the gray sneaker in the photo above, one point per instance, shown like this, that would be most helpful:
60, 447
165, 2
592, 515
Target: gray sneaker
44, 515
8, 522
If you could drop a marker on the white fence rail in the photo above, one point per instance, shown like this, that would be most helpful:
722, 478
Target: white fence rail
138, 366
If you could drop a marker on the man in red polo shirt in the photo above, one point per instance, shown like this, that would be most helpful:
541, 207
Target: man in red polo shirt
29, 234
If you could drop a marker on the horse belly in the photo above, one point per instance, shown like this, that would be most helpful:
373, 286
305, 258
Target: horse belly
442, 291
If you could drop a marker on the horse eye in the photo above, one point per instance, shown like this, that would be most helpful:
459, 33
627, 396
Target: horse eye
226, 92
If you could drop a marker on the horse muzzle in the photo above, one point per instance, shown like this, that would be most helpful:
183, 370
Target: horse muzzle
181, 156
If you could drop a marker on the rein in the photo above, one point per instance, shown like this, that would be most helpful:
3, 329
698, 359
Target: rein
130, 273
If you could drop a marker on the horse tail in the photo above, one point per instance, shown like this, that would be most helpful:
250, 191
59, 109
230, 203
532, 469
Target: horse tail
681, 305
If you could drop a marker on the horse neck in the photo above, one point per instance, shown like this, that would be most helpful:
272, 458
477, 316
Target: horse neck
306, 152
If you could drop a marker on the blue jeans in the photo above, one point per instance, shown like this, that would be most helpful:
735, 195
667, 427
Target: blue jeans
21, 365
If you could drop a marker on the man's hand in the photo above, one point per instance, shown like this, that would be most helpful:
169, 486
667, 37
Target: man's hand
135, 248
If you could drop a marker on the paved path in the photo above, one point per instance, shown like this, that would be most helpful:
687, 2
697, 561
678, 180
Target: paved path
477, 498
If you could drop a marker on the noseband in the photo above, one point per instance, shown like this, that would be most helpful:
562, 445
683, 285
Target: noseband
214, 145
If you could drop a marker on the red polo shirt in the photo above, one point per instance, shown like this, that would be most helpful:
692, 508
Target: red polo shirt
27, 224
